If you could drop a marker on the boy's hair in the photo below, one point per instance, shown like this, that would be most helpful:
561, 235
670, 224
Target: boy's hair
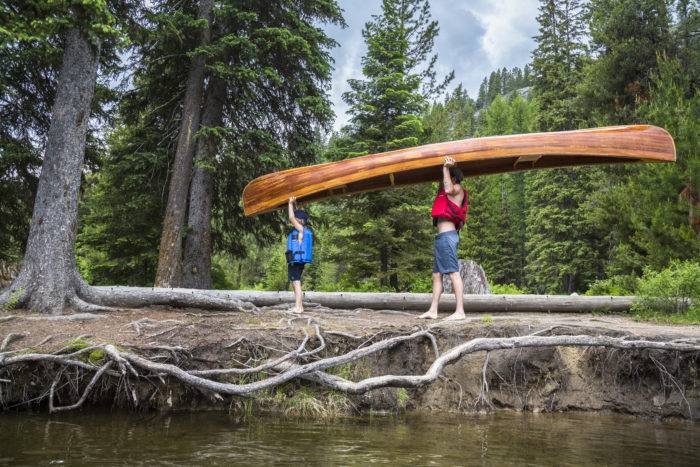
302, 216
456, 173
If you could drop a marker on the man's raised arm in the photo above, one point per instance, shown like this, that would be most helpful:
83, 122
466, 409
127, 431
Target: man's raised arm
450, 187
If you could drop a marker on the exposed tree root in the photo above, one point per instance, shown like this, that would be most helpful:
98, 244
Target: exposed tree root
86, 392
300, 363
83, 298
74, 317
9, 339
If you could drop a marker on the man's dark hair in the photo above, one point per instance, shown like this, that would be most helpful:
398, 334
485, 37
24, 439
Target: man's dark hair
456, 173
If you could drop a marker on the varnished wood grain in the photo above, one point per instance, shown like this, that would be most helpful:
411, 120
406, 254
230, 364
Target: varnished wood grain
478, 156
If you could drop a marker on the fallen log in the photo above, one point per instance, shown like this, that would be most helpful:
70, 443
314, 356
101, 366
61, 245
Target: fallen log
404, 301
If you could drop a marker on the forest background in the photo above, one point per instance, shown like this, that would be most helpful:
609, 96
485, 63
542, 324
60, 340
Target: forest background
252, 78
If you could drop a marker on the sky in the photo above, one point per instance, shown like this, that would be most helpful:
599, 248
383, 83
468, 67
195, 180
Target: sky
476, 37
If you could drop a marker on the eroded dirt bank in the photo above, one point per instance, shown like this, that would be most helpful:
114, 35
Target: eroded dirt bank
649, 383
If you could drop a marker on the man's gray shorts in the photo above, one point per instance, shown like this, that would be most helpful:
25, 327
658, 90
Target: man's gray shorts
446, 244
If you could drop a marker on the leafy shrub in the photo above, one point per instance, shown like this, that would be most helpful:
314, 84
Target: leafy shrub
615, 285
221, 268
13, 300
276, 269
422, 284
675, 290
506, 289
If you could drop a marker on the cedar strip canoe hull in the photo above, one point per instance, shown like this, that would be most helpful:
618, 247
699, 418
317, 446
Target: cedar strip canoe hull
477, 156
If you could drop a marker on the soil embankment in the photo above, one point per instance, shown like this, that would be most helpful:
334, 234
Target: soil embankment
648, 383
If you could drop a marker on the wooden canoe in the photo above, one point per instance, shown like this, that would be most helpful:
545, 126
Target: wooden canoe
477, 156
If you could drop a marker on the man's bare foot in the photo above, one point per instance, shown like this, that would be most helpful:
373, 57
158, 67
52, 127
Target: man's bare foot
430, 314
456, 316
297, 310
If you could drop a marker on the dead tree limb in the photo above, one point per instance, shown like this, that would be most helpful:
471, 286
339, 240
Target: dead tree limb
394, 302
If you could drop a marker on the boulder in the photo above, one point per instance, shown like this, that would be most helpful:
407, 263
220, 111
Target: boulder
473, 277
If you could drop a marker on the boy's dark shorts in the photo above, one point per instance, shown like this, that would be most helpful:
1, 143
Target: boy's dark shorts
445, 248
294, 271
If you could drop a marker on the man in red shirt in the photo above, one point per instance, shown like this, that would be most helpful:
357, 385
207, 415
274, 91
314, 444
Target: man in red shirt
449, 214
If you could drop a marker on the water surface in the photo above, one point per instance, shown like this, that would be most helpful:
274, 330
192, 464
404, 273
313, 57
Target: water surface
214, 438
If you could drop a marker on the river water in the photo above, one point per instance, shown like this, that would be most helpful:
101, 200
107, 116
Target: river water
119, 438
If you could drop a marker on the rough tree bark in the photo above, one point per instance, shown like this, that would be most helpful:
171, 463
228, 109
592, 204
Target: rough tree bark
196, 271
48, 278
169, 259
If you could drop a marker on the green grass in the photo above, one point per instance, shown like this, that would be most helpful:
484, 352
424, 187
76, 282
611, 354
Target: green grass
402, 398
76, 344
307, 403
487, 319
691, 316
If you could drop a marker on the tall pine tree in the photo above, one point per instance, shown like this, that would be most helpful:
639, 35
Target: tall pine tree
561, 255
626, 36
384, 231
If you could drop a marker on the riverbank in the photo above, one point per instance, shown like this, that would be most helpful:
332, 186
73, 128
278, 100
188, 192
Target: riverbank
648, 383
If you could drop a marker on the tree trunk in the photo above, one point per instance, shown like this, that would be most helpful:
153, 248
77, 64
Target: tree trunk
49, 277
198, 248
168, 273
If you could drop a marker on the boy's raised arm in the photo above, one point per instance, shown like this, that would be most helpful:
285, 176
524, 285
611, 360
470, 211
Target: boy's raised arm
292, 218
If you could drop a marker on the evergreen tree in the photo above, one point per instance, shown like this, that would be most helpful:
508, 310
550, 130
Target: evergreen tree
49, 281
31, 53
451, 120
626, 37
389, 231
272, 63
495, 232
652, 217
687, 38
117, 244
557, 62
561, 248
481, 98
494, 87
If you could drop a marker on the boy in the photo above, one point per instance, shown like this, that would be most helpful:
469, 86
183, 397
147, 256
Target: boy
299, 250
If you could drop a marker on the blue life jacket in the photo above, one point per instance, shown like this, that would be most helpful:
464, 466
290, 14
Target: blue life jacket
300, 252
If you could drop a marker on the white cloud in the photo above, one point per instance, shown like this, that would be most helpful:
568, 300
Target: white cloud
476, 37
347, 68
509, 26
